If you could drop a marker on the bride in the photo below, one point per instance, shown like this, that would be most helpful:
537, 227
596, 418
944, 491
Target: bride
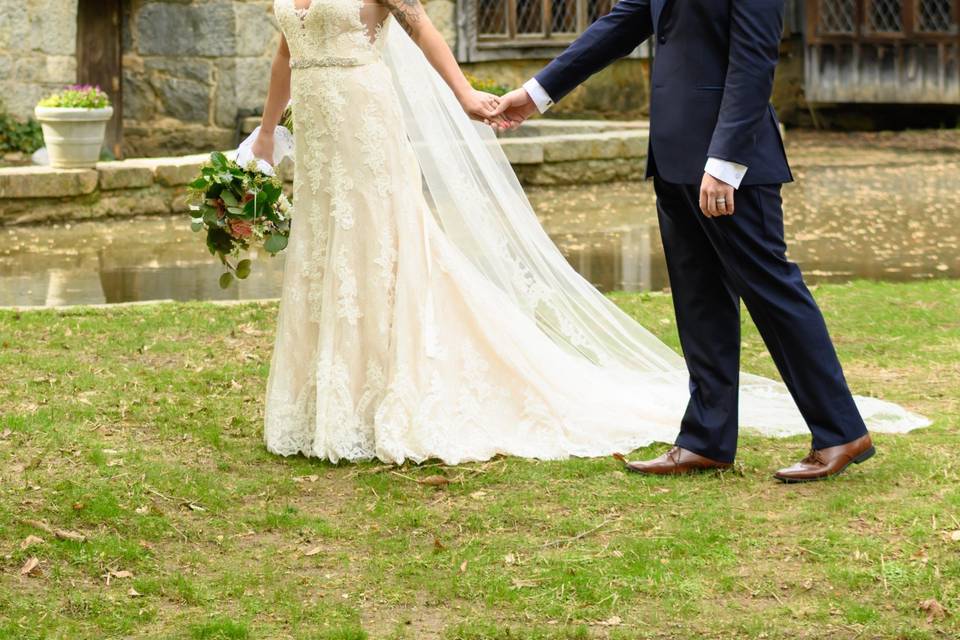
424, 311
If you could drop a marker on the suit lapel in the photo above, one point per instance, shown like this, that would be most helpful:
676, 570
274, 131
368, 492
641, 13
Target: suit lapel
658, 7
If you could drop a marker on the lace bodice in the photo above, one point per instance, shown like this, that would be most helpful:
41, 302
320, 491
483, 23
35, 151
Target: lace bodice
331, 32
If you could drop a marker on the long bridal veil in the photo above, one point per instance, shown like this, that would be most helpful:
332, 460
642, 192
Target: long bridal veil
481, 206
477, 199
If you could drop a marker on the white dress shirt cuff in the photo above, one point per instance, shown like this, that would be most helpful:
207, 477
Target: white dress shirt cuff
726, 171
538, 94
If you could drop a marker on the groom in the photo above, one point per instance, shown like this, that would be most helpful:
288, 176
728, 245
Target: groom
718, 163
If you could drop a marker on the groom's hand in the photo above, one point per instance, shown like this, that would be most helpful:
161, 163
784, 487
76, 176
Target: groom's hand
716, 197
515, 107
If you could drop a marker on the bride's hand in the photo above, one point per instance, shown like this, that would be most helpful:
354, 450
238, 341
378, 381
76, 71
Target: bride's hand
263, 147
481, 106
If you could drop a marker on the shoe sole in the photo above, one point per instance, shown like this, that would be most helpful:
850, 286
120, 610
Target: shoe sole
677, 473
863, 457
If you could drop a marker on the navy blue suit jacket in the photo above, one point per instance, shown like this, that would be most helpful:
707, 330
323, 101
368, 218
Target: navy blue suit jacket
711, 81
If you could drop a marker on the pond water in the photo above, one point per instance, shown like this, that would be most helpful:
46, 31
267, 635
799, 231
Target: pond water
852, 213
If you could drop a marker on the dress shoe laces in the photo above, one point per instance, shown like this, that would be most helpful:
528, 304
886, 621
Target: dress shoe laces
814, 457
674, 455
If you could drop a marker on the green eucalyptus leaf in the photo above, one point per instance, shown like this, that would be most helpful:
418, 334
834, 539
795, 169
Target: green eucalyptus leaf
275, 243
243, 269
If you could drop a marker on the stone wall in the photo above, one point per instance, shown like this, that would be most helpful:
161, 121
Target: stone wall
193, 67
443, 15
190, 69
38, 42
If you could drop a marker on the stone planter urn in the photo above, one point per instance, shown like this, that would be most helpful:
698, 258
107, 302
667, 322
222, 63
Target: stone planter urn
73, 136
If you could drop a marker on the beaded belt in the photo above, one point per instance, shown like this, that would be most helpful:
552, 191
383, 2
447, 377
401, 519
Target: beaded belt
329, 61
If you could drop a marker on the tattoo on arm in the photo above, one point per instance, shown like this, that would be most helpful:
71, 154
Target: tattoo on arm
406, 12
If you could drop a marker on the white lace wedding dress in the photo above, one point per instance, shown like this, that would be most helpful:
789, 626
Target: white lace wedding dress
396, 338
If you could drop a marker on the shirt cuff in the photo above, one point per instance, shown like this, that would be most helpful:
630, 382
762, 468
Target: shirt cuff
726, 171
538, 94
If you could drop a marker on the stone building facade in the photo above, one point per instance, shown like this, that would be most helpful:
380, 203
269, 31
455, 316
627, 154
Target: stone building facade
186, 72
38, 44
190, 69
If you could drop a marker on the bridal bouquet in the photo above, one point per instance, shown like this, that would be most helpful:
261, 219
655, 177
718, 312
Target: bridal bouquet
239, 207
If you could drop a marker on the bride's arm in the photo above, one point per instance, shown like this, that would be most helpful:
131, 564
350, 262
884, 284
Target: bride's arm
410, 15
278, 95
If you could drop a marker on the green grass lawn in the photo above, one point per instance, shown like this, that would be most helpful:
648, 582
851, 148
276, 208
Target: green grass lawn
134, 482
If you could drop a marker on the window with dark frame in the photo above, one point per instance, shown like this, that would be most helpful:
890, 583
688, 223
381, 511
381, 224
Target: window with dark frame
882, 20
535, 22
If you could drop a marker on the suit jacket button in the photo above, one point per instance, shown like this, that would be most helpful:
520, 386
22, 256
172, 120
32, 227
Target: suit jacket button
662, 40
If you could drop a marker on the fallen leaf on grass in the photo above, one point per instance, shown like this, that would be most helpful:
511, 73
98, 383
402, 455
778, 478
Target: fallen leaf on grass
955, 536
121, 574
133, 593
312, 552
437, 545
933, 609
613, 621
30, 567
463, 567
64, 534
509, 559
29, 541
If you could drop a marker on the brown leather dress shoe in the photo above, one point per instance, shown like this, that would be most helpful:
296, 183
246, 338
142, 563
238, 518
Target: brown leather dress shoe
824, 463
676, 461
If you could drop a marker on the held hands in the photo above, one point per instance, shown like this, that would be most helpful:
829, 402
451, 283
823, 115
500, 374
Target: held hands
716, 197
482, 106
514, 108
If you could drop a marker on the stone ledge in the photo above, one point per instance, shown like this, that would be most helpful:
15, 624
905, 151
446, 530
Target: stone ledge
535, 127
607, 145
44, 182
172, 172
595, 146
124, 175
519, 151
547, 154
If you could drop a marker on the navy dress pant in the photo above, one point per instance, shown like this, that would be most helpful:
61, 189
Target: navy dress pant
713, 263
